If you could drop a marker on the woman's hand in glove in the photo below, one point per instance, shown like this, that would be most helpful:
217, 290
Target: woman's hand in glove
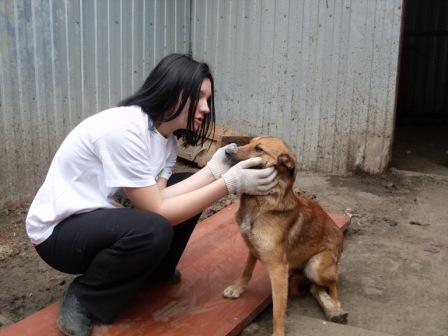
242, 179
219, 163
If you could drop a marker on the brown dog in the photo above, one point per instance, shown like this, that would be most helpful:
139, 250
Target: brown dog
292, 236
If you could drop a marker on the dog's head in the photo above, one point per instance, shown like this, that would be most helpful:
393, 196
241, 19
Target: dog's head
274, 152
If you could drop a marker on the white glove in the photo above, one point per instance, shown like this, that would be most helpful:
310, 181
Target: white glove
219, 163
241, 180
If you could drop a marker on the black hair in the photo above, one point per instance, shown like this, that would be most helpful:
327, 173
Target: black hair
166, 91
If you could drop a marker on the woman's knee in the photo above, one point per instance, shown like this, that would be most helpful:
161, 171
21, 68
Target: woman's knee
154, 231
163, 233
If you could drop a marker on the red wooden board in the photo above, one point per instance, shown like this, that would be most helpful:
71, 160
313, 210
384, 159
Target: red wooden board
214, 258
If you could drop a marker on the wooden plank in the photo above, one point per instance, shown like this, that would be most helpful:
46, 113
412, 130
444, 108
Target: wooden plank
214, 258
342, 221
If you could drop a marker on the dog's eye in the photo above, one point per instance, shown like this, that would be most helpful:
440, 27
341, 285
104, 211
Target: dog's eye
258, 149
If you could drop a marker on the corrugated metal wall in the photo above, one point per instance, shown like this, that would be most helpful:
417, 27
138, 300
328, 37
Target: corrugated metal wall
319, 73
62, 60
423, 92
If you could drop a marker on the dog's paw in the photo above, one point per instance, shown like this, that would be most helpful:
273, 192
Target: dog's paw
233, 292
341, 318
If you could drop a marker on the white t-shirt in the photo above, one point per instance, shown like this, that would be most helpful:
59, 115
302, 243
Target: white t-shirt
112, 149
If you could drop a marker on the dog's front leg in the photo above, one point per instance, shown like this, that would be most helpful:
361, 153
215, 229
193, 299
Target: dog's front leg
278, 273
234, 291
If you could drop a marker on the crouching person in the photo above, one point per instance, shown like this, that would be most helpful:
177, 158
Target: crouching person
78, 227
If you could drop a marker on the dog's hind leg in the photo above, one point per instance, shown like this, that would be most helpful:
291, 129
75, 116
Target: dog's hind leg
278, 273
322, 270
234, 291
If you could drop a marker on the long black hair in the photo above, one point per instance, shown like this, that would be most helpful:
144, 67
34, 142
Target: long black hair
167, 89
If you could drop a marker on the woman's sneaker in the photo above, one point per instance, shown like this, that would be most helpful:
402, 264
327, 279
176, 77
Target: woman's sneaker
73, 319
172, 278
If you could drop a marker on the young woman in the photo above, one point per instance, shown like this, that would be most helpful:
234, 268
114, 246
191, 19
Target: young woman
78, 227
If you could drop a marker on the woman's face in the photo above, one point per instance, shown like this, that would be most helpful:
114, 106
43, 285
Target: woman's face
201, 109
181, 121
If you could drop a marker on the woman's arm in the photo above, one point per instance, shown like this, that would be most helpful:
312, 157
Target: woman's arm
161, 183
196, 181
180, 207
216, 166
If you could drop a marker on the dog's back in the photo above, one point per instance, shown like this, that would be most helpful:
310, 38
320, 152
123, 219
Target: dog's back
302, 228
313, 232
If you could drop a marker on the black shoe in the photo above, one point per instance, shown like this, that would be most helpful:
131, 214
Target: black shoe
176, 277
173, 278
73, 319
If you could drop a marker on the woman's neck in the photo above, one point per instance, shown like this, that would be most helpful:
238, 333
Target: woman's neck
164, 129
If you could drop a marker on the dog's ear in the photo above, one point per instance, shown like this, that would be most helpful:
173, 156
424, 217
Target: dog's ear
287, 161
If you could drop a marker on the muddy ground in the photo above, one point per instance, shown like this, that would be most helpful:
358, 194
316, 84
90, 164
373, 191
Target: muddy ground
393, 274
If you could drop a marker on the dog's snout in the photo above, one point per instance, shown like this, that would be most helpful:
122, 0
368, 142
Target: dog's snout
231, 155
231, 148
231, 152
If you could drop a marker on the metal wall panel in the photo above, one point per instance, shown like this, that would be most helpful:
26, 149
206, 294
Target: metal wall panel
62, 60
319, 73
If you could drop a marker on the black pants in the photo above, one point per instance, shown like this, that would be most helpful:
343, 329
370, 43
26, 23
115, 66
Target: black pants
116, 251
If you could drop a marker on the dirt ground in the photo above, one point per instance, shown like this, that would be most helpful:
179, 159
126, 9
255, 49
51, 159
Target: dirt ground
393, 273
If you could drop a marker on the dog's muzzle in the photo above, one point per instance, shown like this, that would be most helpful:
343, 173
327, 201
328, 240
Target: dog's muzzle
231, 154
